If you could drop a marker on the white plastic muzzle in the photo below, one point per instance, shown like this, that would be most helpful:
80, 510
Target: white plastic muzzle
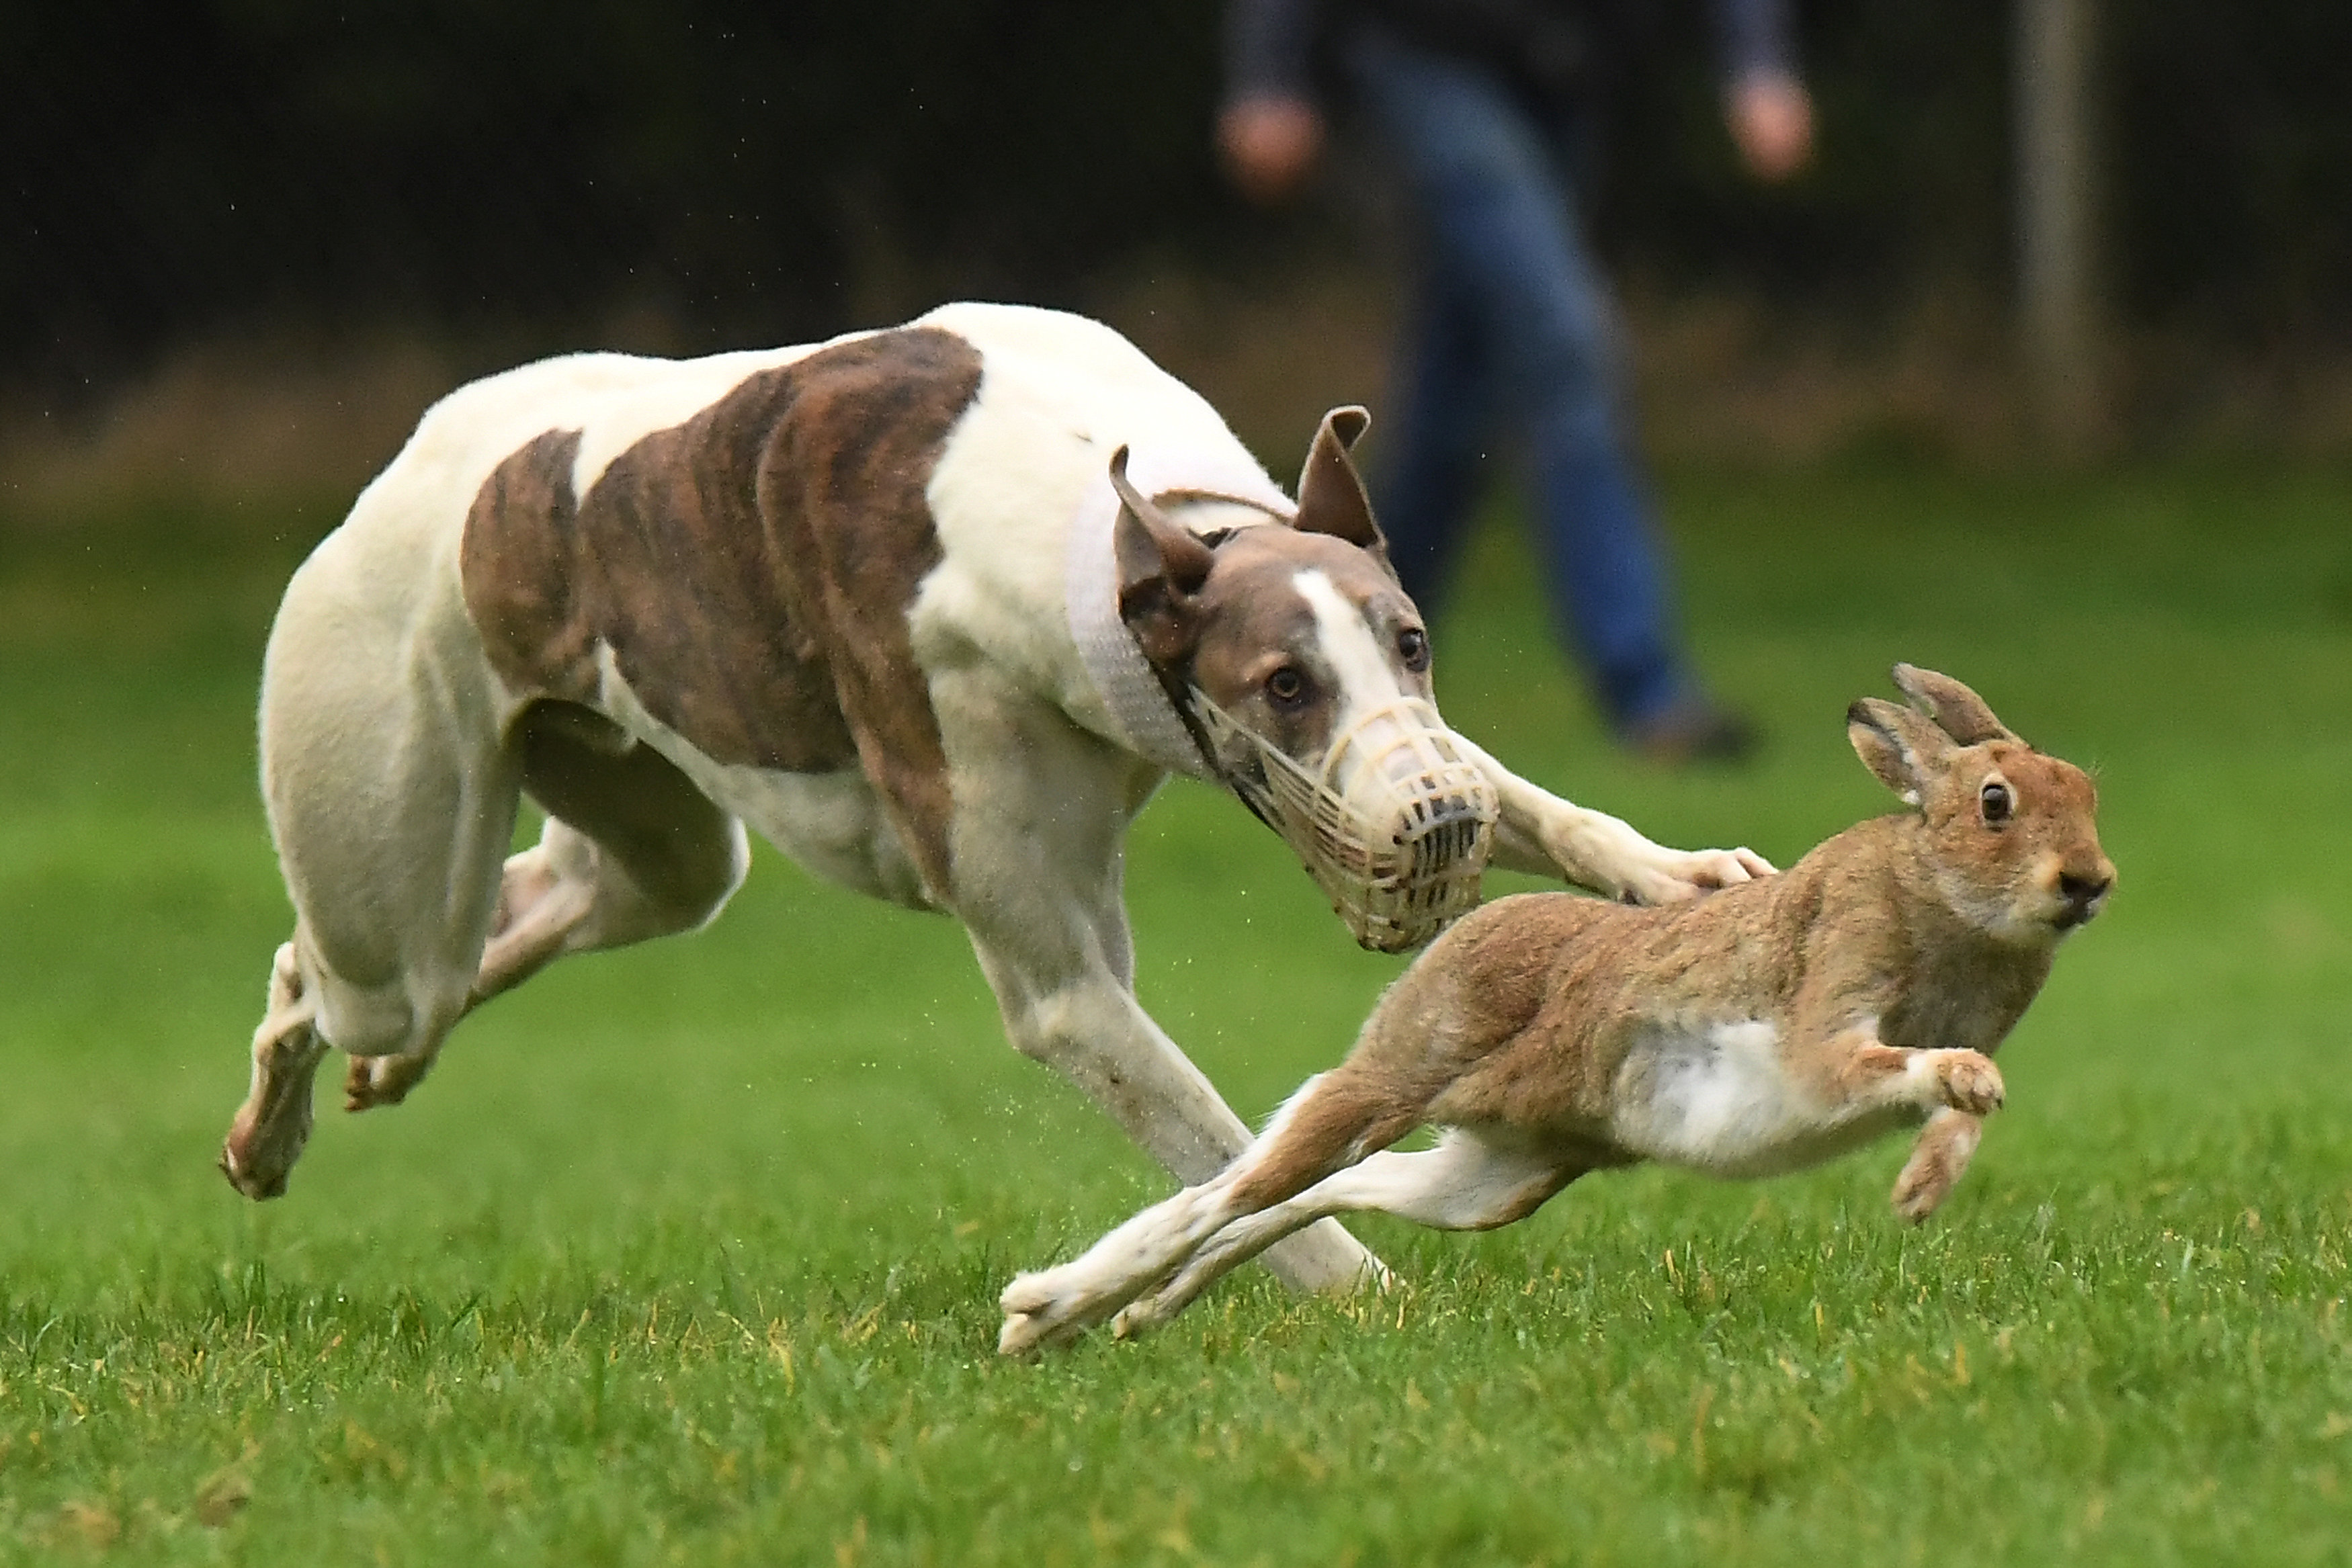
1395, 828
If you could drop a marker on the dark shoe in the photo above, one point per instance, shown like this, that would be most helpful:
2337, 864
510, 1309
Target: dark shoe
1695, 730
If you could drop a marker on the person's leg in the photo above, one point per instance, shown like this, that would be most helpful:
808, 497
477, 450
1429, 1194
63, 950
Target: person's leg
1429, 474
1504, 237
1605, 558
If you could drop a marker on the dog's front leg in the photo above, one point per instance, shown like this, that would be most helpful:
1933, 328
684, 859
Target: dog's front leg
1089, 1028
1042, 810
1543, 835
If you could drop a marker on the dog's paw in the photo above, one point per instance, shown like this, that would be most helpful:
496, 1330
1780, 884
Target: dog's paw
374, 1080
1968, 1080
258, 1186
263, 1145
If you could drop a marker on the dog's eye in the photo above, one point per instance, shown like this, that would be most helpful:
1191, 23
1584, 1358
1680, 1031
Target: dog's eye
1996, 801
1413, 647
1287, 687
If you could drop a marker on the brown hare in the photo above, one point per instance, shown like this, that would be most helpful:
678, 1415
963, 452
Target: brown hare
1762, 1028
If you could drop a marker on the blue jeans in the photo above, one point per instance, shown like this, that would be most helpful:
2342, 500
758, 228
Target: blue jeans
1511, 322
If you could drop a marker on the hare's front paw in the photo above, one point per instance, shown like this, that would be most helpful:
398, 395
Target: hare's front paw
1921, 1187
1968, 1080
1941, 1154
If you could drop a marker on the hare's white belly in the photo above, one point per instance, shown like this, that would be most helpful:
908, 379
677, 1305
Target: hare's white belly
1718, 1098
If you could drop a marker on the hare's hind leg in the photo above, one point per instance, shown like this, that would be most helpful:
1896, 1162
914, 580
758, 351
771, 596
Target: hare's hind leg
631, 849
1469, 1181
1331, 1122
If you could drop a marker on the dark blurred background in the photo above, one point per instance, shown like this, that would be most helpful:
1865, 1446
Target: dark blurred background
251, 237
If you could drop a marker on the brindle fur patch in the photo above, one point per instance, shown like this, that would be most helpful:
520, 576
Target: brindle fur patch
750, 570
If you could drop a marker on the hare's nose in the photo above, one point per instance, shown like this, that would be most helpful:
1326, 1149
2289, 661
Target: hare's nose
2083, 891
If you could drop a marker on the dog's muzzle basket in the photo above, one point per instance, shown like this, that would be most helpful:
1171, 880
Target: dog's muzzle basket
1396, 828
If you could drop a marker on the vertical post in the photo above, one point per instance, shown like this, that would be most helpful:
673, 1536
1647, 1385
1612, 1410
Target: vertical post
2056, 196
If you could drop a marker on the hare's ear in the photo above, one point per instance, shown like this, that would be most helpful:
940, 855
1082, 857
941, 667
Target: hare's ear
1905, 750
1957, 711
1161, 566
1331, 498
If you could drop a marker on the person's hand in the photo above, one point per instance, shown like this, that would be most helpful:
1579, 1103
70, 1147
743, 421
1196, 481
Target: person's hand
1771, 120
1269, 144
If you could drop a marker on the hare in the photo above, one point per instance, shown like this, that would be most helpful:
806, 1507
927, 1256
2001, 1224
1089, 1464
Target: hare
1763, 1028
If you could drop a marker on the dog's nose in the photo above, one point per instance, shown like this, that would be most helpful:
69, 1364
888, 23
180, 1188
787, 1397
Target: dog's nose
1440, 829
1444, 811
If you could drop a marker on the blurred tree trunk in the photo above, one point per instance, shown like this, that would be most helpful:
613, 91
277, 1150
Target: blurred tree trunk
2057, 290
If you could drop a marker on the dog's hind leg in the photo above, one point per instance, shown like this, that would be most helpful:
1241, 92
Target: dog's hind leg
630, 850
274, 1122
391, 796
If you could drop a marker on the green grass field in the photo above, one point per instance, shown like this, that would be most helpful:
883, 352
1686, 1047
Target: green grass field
689, 1253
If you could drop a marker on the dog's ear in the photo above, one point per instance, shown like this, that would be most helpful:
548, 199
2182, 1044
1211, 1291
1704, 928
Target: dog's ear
1331, 498
1957, 711
1904, 750
1161, 566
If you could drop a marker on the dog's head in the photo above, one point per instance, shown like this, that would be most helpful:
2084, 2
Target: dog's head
1309, 669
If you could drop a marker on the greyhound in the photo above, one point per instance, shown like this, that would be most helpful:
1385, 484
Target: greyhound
934, 610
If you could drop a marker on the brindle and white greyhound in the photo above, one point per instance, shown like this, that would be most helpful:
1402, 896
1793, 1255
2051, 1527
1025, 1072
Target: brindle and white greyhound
878, 598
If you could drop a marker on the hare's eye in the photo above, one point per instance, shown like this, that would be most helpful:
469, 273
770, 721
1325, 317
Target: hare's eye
1413, 647
1996, 801
1286, 687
